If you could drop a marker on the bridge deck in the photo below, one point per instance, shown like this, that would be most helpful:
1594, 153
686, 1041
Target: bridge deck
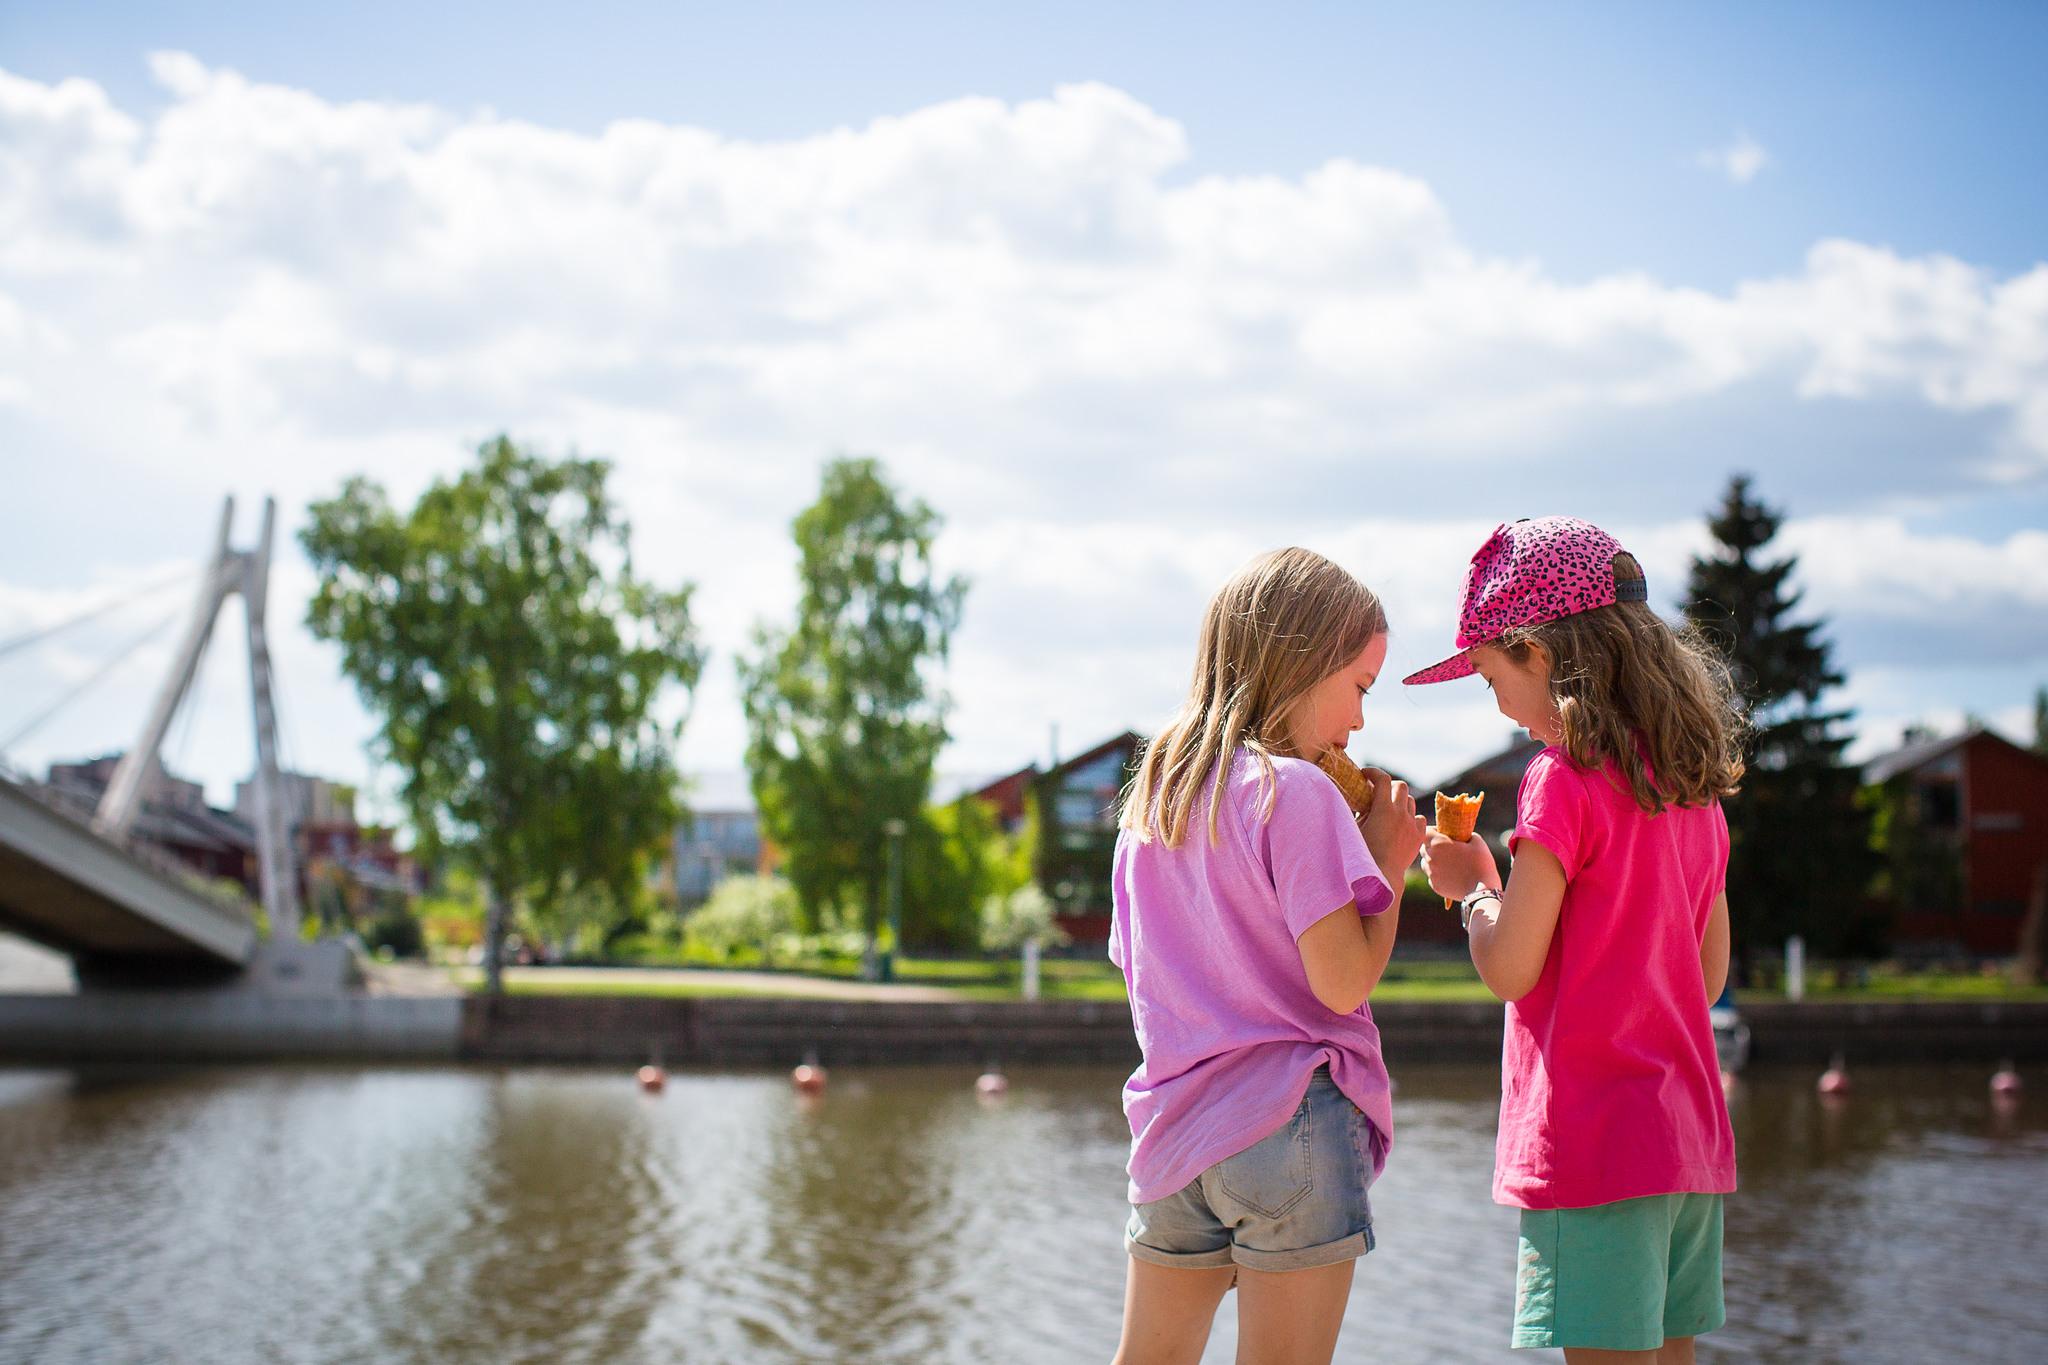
64, 886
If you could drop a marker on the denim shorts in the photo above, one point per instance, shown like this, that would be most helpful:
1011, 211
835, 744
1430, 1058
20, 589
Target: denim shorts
1292, 1201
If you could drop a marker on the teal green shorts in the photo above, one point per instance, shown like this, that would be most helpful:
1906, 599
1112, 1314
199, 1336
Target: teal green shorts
1622, 1276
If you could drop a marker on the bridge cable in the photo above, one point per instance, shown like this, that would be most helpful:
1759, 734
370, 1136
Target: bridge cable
45, 632
48, 712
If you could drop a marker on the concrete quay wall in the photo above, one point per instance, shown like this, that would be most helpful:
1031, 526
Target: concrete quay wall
201, 1026
226, 1026
718, 1032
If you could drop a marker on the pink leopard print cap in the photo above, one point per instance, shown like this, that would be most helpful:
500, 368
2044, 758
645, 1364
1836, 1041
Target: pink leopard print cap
1528, 572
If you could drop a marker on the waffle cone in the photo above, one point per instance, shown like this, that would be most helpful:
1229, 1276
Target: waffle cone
1353, 783
1456, 816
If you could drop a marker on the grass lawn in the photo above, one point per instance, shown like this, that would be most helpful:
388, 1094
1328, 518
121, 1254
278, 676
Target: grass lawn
1888, 984
968, 979
1098, 979
1057, 980
652, 990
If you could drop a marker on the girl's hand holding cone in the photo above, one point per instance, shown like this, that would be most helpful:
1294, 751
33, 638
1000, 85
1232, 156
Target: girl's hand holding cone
1456, 818
1393, 831
1456, 865
1350, 779
1384, 809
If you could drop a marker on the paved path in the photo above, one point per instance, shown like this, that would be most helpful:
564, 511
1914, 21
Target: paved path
408, 978
28, 969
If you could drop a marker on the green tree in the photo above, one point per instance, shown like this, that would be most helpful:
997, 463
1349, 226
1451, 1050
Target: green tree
2040, 745
585, 918
1919, 868
843, 719
517, 668
1800, 856
958, 857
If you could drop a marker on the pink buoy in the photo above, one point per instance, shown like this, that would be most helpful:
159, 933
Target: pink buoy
1835, 1080
651, 1078
2006, 1080
991, 1083
809, 1079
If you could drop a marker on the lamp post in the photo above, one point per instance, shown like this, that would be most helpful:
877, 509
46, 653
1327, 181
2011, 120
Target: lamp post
895, 830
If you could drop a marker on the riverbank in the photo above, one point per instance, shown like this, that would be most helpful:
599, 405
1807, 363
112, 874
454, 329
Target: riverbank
192, 1026
26, 969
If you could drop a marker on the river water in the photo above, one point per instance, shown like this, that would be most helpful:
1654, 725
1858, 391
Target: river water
321, 1214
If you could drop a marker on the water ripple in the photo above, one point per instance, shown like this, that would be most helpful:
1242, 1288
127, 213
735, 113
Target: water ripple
313, 1215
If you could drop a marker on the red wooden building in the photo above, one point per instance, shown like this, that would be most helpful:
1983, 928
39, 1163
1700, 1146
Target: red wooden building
1077, 815
1987, 798
1010, 796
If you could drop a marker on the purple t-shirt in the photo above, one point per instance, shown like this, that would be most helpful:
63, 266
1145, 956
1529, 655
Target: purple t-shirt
1205, 935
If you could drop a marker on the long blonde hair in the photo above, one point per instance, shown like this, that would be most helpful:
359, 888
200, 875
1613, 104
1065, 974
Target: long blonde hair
1629, 687
1283, 623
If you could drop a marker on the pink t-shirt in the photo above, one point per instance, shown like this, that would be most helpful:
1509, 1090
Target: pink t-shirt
1610, 1088
1205, 935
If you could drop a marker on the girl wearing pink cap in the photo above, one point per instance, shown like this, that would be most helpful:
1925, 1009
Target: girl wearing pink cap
1252, 918
1608, 942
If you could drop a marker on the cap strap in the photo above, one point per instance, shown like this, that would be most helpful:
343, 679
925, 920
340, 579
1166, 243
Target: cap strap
1632, 590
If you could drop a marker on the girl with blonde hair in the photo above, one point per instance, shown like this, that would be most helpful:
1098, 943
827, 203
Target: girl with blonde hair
1253, 915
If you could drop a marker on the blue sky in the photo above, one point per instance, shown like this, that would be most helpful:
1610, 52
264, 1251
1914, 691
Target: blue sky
1127, 292
1566, 132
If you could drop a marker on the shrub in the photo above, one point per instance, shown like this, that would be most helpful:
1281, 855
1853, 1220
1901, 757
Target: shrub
397, 930
744, 912
1023, 916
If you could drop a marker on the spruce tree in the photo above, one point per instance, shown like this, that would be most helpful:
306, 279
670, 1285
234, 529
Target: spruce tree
1799, 861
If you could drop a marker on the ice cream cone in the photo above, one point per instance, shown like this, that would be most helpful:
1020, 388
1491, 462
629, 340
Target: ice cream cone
1357, 788
1455, 818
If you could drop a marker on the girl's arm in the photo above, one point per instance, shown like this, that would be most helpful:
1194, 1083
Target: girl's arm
1714, 949
1345, 953
1509, 937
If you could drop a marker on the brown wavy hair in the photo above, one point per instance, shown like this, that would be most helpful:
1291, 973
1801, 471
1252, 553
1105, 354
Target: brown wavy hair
1631, 691
1283, 623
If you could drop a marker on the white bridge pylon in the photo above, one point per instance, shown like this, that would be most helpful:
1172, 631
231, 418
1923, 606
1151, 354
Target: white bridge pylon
233, 571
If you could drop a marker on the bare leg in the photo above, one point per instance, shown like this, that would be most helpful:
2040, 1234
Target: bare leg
1291, 1317
1674, 1351
1167, 1313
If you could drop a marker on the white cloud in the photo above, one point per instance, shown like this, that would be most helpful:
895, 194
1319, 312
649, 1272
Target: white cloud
1878, 566
1114, 384
1740, 160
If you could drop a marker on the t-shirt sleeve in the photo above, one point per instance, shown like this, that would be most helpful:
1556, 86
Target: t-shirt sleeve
1553, 809
1721, 851
1119, 908
1314, 851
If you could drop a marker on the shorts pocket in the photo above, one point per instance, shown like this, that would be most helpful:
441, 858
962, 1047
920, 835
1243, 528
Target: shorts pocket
1273, 1175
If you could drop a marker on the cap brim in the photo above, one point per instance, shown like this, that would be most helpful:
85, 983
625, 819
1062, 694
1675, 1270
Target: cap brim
1459, 665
